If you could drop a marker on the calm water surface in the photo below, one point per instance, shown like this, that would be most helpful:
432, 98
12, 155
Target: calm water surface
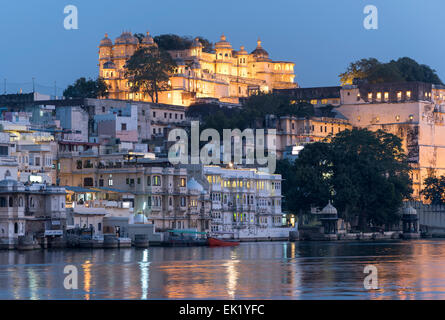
265, 270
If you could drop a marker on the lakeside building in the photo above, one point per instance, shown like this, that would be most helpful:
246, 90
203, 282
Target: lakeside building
245, 203
225, 73
35, 211
414, 111
155, 188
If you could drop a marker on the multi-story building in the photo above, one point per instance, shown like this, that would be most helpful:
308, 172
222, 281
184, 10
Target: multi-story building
297, 131
36, 210
8, 162
154, 188
413, 111
245, 203
225, 73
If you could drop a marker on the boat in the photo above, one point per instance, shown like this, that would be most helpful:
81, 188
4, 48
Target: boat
214, 242
185, 238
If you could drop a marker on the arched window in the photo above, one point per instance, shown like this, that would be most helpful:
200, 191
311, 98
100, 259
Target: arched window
16, 228
20, 202
7, 174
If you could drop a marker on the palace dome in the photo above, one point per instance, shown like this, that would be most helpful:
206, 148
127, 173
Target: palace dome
223, 43
259, 52
241, 51
409, 210
106, 42
196, 43
329, 209
126, 38
193, 185
148, 39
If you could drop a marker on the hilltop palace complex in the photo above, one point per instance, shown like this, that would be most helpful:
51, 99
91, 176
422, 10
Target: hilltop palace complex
225, 74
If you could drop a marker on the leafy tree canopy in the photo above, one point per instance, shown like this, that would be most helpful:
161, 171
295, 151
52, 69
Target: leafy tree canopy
148, 71
176, 42
365, 173
83, 88
401, 70
434, 190
251, 114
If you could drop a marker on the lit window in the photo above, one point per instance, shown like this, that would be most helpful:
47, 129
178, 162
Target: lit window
399, 95
370, 96
379, 95
408, 94
386, 96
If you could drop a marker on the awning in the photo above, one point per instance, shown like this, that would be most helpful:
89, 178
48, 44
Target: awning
78, 189
109, 190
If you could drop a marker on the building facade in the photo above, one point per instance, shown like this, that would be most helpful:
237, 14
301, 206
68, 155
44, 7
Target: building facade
225, 73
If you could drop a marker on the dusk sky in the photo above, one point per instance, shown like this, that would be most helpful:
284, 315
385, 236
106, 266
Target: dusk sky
320, 36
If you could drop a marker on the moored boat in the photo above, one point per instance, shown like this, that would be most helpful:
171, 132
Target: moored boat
214, 242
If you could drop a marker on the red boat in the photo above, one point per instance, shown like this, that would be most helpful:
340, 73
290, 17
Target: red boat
214, 242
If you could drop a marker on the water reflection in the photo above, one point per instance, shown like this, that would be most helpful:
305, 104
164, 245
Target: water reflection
301, 270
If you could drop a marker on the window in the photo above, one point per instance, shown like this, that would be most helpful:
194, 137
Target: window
408, 94
154, 114
123, 127
183, 202
3, 150
156, 180
101, 182
110, 181
399, 95
182, 182
149, 181
88, 182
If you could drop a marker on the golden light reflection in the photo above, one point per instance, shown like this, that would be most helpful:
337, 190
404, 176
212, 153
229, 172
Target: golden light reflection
87, 278
145, 279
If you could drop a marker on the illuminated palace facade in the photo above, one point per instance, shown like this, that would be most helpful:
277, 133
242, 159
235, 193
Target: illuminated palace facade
225, 74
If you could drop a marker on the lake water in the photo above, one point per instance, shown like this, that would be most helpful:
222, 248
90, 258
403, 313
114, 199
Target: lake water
263, 270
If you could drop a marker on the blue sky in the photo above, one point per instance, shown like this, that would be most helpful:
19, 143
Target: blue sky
320, 36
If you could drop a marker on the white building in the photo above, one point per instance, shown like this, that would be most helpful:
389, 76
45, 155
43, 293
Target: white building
245, 203
36, 210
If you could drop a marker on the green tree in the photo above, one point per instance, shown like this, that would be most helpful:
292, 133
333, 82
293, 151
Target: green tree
434, 189
83, 88
252, 114
149, 70
365, 173
175, 42
358, 70
401, 70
